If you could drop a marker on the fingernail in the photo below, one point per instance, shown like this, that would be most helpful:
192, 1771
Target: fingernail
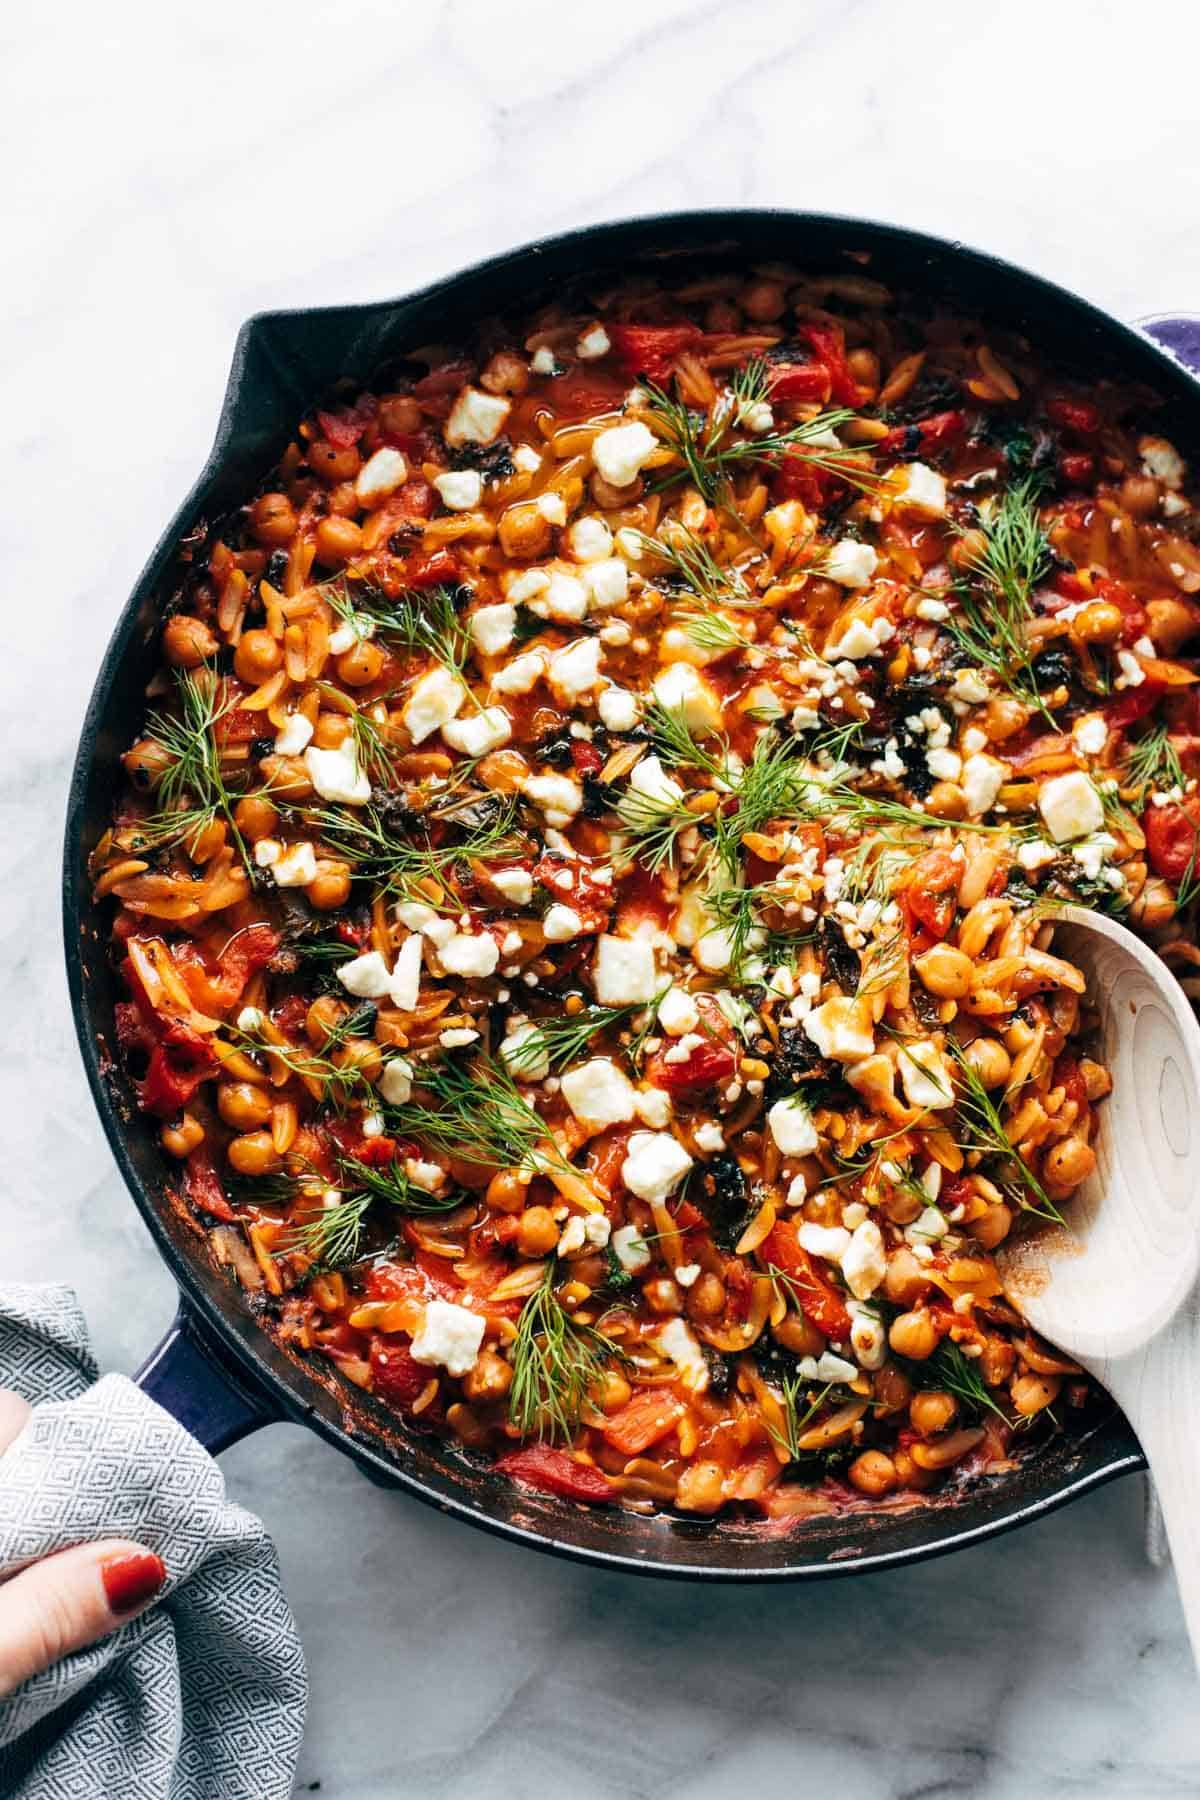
131, 1579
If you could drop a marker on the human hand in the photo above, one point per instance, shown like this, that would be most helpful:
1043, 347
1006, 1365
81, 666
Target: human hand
68, 1600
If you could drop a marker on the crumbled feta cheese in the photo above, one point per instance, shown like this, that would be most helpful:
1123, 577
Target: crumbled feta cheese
653, 1108
406, 975
1091, 852
630, 1249
295, 735
925, 1076
934, 612
680, 688
649, 780
250, 1020
558, 797
435, 699
542, 361
974, 740
575, 670
868, 1339
552, 507
572, 1238
621, 452
677, 1013
429, 1176
677, 1341
395, 1084
379, 476
851, 564
1132, 673
516, 885
525, 1054
709, 1137
825, 1241
861, 638
461, 489
295, 867
522, 674
336, 775
366, 977
1036, 854
475, 418
1070, 806
655, 1164
449, 1336
598, 1094
1162, 460
929, 1224
593, 344
607, 582
982, 779
618, 709
946, 765
479, 732
561, 923
797, 1192
470, 954
923, 490
687, 1274
589, 540
565, 599
623, 973
525, 586
1090, 735
791, 1125
713, 949
841, 1029
350, 632
526, 459
864, 1262
457, 1037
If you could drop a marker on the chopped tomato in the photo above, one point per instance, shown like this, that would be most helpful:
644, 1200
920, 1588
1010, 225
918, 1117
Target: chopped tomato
651, 349
931, 894
240, 727
1173, 838
1131, 611
1076, 467
643, 901
1129, 707
1073, 415
203, 1185
925, 436
650, 1415
245, 953
374, 1152
705, 1064
398, 1378
605, 1154
829, 346
586, 757
1068, 1074
795, 478
345, 426
550, 1471
430, 569
175, 1071
415, 500
574, 884
435, 392
354, 934
582, 393
807, 382
1069, 587
819, 1300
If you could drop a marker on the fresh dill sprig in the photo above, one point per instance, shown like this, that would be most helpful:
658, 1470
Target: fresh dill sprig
653, 826
560, 1038
555, 1365
372, 750
402, 864
950, 1370
795, 1422
1152, 765
338, 1082
996, 598
710, 456
710, 631
191, 790
330, 1235
984, 1133
676, 744
693, 566
476, 1111
426, 620
390, 1182
771, 786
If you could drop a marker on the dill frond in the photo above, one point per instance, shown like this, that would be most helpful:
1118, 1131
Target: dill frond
555, 1363
996, 599
984, 1133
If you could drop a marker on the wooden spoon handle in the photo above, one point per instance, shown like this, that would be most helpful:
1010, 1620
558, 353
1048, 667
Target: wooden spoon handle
1158, 1389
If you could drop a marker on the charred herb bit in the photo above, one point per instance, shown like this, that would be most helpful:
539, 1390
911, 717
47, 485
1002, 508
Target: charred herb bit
723, 1195
555, 1363
842, 964
617, 1280
494, 461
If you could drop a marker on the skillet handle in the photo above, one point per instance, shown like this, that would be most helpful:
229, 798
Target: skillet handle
186, 1380
1178, 333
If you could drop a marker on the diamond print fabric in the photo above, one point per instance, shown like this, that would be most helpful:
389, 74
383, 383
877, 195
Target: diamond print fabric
203, 1697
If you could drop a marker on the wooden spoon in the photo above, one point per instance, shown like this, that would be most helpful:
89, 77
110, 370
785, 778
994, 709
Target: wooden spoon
1117, 1289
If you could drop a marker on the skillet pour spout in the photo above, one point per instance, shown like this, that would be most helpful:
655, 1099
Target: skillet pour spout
217, 1370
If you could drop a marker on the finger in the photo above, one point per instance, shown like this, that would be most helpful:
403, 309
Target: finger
70, 1600
13, 1413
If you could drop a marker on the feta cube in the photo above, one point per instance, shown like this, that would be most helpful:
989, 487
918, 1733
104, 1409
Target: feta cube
336, 775
598, 1094
449, 1336
294, 736
868, 1339
621, 452
435, 699
475, 418
593, 344
472, 955
295, 866
653, 1108
461, 489
681, 689
557, 796
379, 476
1070, 806
479, 732
1090, 735
406, 975
925, 1076
650, 782
590, 540
850, 563
623, 973
709, 1137
655, 1165
560, 924
542, 361
677, 1013
982, 778
864, 1263
970, 687
618, 709
713, 949
791, 1125
516, 885
607, 582
522, 674
825, 1241
396, 1082
492, 627
923, 490
525, 1054
630, 1249
1162, 460
565, 599
677, 1340
366, 977
841, 1029
575, 670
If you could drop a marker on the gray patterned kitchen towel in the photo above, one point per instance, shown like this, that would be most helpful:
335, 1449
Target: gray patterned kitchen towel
202, 1697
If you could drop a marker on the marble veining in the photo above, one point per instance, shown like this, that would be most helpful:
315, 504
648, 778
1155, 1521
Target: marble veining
170, 170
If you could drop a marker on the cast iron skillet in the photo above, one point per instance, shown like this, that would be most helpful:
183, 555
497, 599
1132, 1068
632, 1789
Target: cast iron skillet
216, 1371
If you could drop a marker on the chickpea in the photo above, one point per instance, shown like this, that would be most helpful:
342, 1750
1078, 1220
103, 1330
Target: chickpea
905, 1280
945, 972
996, 1361
614, 1391
1096, 1079
663, 1295
524, 533
361, 664
506, 1192
914, 1335
1002, 716
503, 771
701, 1487
537, 1231
946, 800
287, 777
932, 1411
798, 1334
990, 1061
331, 464
243, 1105
1069, 1162
183, 1137
330, 887
764, 301
207, 841
255, 817
344, 501
891, 1388
187, 642
324, 1016
399, 415
338, 540
489, 1379
608, 497
362, 1055
506, 373
254, 1154
1030, 1393
145, 763
908, 1475
331, 730
257, 656
273, 520
901, 1206
1099, 622
1155, 905
707, 1298
1170, 623
873, 1473
993, 1226
1139, 496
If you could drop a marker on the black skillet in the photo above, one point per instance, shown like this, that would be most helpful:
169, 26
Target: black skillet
216, 1371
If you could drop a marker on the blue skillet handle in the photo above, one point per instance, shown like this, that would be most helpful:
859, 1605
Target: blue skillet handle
183, 1376
1179, 333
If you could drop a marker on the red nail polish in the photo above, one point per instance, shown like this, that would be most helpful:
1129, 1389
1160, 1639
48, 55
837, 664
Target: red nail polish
131, 1579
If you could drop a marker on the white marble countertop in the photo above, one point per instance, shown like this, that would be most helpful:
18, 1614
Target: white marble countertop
166, 178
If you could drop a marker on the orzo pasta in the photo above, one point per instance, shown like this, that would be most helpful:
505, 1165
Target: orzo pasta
585, 888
